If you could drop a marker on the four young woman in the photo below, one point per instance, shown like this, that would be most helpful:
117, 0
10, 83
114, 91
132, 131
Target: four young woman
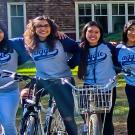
50, 55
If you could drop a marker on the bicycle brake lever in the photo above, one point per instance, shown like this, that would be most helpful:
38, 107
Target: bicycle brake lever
6, 73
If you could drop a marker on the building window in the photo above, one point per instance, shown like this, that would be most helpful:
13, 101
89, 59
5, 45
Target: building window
118, 17
111, 15
16, 19
100, 15
84, 15
131, 11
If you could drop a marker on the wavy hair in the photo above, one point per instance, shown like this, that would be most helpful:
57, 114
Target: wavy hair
127, 26
31, 39
85, 46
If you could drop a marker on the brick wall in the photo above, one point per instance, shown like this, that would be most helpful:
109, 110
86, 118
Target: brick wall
62, 11
3, 11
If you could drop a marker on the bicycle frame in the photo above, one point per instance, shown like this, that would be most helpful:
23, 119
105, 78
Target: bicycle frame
34, 108
92, 99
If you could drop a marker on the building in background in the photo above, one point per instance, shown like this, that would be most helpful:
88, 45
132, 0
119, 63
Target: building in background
70, 15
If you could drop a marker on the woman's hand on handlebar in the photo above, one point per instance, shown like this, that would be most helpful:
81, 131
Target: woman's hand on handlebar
25, 93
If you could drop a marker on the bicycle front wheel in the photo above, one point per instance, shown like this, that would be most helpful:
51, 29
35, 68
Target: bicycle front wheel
30, 126
57, 126
95, 125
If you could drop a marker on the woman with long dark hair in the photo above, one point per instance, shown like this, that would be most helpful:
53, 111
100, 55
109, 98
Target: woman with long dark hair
96, 66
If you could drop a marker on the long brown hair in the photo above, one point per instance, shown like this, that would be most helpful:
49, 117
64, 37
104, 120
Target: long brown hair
31, 39
84, 47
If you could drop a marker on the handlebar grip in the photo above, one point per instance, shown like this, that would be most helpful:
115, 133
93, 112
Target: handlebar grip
21, 77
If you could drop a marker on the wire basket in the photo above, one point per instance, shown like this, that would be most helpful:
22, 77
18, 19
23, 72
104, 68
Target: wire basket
92, 98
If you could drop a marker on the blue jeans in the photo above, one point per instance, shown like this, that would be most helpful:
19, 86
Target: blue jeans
9, 102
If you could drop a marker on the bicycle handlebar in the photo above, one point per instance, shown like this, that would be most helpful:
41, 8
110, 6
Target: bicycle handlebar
126, 71
112, 83
14, 75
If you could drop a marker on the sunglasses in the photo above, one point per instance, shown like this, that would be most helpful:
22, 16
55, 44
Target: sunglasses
40, 26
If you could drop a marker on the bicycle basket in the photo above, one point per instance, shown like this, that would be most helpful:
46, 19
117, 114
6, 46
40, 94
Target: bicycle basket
92, 98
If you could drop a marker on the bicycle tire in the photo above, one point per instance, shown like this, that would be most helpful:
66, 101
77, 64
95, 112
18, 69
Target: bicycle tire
95, 125
57, 126
30, 126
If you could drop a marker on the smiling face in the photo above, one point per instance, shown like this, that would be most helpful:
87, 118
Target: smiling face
131, 36
93, 35
42, 29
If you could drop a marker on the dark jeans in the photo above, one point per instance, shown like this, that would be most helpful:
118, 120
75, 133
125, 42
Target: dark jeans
62, 94
130, 92
108, 125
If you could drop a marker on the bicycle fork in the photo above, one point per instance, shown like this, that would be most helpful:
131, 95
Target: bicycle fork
48, 116
85, 117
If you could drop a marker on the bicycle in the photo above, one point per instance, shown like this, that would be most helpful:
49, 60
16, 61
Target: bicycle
95, 99
87, 102
92, 99
31, 122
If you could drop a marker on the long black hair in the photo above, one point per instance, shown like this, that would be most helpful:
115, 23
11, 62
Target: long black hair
4, 43
84, 47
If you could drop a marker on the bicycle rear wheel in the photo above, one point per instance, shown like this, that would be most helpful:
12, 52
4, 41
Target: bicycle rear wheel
30, 126
57, 126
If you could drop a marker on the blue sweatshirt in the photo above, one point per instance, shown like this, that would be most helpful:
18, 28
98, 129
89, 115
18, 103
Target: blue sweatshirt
126, 59
10, 60
55, 63
100, 64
